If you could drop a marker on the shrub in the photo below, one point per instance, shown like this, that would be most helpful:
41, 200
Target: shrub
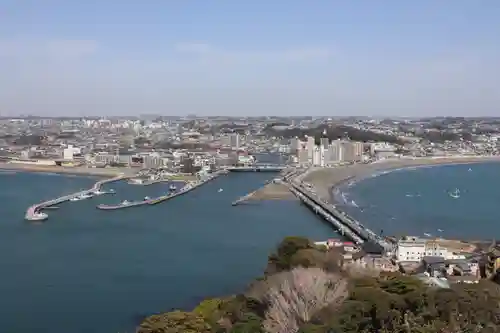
175, 322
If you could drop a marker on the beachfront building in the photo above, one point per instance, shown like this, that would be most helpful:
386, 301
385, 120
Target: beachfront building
415, 249
381, 150
318, 156
336, 152
410, 249
326, 153
310, 147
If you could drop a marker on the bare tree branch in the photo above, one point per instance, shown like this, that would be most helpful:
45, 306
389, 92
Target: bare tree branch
300, 296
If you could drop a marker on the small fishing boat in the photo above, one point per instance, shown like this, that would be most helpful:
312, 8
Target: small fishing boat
82, 197
455, 194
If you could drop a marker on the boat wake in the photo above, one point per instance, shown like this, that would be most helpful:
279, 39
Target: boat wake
343, 199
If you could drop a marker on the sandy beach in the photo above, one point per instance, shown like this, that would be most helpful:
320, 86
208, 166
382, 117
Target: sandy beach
84, 171
273, 191
324, 179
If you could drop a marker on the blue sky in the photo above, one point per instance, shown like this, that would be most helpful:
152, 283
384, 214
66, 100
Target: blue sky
226, 57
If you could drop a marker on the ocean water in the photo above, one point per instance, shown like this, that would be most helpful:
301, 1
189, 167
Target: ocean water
417, 201
86, 270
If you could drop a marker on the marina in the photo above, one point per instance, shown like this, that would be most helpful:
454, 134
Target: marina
35, 212
174, 193
125, 204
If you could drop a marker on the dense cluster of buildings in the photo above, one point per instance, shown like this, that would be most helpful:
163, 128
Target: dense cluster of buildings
326, 153
175, 160
179, 142
430, 260
178, 145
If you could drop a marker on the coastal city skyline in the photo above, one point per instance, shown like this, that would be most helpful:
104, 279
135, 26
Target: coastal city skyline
243, 59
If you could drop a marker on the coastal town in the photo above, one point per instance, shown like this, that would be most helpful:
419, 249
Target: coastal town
190, 144
249, 167
318, 154
310, 161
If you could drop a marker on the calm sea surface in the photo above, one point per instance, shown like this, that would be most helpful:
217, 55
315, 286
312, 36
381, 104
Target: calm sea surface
417, 201
86, 270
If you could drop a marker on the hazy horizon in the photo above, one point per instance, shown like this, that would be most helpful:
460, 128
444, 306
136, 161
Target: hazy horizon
401, 59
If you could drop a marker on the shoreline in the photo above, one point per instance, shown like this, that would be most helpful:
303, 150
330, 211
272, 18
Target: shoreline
78, 171
326, 180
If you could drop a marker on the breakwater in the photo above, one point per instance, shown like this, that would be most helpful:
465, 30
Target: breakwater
34, 212
185, 189
243, 198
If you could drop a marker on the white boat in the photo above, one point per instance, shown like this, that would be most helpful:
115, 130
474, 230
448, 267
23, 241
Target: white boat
125, 202
173, 187
38, 217
470, 169
147, 198
428, 235
220, 190
455, 194
82, 197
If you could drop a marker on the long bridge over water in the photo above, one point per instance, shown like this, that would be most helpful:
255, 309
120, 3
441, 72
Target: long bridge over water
257, 168
346, 225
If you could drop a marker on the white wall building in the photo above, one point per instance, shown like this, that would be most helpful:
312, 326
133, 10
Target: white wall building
415, 249
336, 152
410, 250
310, 147
322, 160
316, 158
69, 152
